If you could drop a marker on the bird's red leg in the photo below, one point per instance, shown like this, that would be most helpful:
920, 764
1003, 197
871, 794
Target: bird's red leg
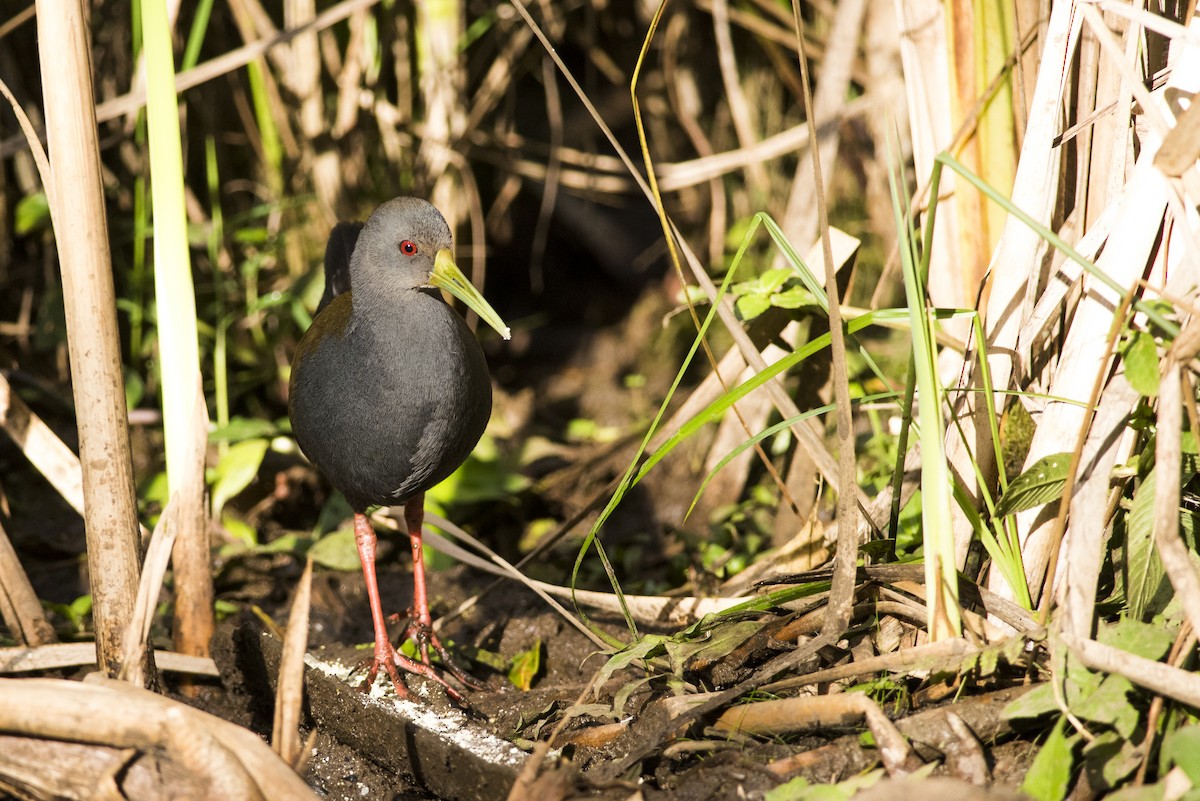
420, 628
422, 621
385, 653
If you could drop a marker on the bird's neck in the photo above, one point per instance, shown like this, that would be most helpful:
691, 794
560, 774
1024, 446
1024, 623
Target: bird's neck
390, 306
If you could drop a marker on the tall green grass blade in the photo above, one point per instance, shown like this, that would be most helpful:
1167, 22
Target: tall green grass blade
216, 235
191, 52
941, 578
175, 295
272, 145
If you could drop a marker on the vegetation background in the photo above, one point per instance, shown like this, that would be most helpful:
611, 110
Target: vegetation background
1005, 204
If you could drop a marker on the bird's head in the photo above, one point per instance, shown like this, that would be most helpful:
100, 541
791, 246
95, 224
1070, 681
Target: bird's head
406, 245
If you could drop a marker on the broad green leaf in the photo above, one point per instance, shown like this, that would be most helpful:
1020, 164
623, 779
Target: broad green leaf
989, 660
236, 469
32, 214
1140, 355
1042, 483
1049, 776
225, 608
490, 658
1142, 639
242, 428
240, 530
525, 667
586, 430
334, 513
1147, 792
1111, 758
793, 298
799, 789
1111, 704
1182, 748
750, 306
81, 607
712, 646
484, 476
621, 697
1041, 700
1146, 586
773, 280
336, 551
135, 388
288, 542
649, 646
1033, 704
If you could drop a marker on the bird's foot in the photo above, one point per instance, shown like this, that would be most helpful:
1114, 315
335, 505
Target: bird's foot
422, 634
387, 657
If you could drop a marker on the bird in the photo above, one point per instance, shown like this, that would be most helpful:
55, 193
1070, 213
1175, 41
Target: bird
389, 393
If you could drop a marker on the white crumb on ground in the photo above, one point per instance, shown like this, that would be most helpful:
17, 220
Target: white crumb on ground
451, 725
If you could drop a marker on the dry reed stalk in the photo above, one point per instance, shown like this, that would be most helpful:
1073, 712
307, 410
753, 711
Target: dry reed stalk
1016, 262
98, 384
833, 87
20, 609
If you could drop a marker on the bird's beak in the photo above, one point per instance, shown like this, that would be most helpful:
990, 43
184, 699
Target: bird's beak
447, 276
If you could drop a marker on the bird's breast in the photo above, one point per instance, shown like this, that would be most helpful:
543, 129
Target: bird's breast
393, 403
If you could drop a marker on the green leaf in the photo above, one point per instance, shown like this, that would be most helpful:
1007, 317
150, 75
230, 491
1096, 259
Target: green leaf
490, 658
225, 608
750, 306
1033, 704
135, 388
793, 298
236, 469
773, 280
484, 476
1147, 792
240, 428
649, 646
1078, 684
1146, 586
1049, 776
799, 789
288, 542
711, 646
1140, 355
81, 607
1109, 759
240, 530
1182, 748
1111, 704
32, 214
525, 667
334, 513
336, 551
1142, 639
1042, 483
154, 489
587, 431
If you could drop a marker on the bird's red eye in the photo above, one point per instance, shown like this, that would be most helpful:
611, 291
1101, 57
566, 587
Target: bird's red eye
408, 247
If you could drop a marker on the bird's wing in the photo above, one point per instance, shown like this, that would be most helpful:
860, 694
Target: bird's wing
337, 260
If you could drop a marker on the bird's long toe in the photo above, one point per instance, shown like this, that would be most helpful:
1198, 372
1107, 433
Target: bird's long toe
386, 656
426, 639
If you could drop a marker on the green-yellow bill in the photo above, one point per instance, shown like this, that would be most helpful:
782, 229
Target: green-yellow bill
447, 276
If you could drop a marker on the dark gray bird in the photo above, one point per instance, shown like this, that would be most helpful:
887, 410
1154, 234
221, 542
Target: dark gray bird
389, 389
